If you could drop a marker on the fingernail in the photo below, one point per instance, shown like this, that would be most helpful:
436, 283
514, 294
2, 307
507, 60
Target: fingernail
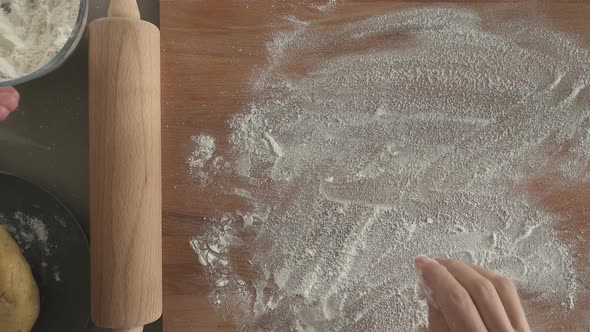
441, 259
421, 261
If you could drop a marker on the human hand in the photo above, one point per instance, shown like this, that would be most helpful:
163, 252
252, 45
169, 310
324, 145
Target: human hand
463, 298
9, 98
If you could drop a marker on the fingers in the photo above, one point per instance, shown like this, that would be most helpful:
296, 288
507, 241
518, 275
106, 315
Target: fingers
4, 112
469, 298
9, 98
450, 296
436, 320
8, 89
509, 297
483, 293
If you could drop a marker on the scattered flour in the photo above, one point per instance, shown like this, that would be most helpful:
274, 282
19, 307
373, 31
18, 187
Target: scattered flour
33, 238
201, 163
27, 231
398, 135
32, 32
327, 7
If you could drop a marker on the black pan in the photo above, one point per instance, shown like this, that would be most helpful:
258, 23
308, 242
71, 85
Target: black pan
60, 261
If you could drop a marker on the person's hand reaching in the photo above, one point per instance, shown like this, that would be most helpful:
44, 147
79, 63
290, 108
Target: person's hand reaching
463, 298
9, 99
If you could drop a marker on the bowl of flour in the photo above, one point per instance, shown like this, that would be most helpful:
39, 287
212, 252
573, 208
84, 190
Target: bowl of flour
37, 36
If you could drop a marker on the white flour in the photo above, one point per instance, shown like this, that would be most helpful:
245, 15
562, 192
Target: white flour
398, 135
27, 231
32, 236
32, 32
327, 7
202, 165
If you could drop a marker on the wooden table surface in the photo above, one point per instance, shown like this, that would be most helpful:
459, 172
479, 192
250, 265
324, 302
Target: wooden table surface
209, 49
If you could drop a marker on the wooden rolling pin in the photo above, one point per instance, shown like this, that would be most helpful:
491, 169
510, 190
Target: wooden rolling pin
125, 169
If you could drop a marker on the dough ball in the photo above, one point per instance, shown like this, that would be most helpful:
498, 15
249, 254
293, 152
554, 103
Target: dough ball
19, 295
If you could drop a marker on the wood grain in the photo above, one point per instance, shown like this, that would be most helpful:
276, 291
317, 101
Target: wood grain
209, 50
125, 172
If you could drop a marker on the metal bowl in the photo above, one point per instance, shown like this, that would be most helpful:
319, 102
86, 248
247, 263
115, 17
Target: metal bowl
62, 55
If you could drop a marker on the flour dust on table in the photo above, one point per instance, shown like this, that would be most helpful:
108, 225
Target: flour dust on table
202, 165
371, 142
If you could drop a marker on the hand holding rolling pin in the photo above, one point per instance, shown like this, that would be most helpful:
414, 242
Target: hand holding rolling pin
9, 99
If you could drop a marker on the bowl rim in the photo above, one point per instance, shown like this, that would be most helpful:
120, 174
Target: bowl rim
62, 55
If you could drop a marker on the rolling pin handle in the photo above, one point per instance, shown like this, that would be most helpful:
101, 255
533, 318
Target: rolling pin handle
123, 8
